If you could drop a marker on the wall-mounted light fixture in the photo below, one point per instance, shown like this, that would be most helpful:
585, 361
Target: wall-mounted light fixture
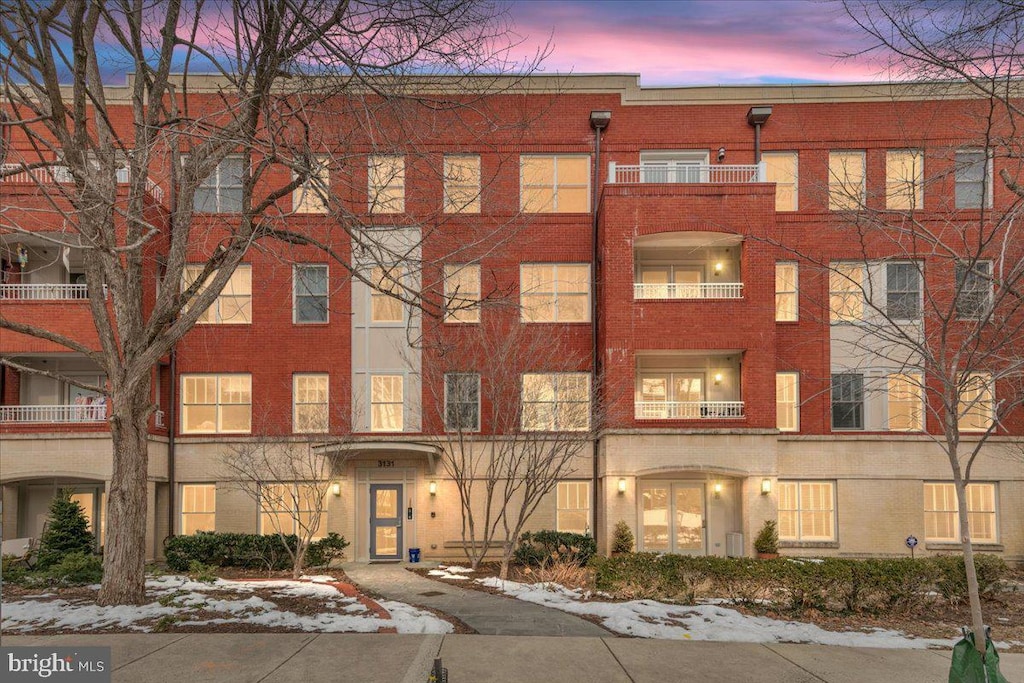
721, 154
622, 485
432, 487
718, 489
336, 488
718, 378
766, 486
719, 267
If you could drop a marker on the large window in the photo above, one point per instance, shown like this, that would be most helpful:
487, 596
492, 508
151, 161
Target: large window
461, 183
807, 511
556, 402
786, 300
904, 179
846, 180
462, 293
310, 413
311, 196
787, 401
903, 291
198, 508
973, 171
846, 292
554, 292
941, 521
386, 183
554, 184
216, 404
310, 294
974, 289
292, 509
977, 402
906, 402
221, 191
462, 402
384, 307
671, 395
573, 507
387, 403
847, 401
234, 303
782, 170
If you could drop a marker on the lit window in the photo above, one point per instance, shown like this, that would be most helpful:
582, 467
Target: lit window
906, 402
941, 520
787, 401
386, 403
671, 396
198, 508
552, 292
462, 402
461, 183
310, 413
386, 184
293, 509
807, 511
973, 172
845, 180
310, 293
234, 303
904, 179
554, 184
221, 191
903, 291
556, 402
782, 170
973, 289
216, 404
847, 401
311, 196
573, 507
385, 308
846, 292
462, 293
786, 309
977, 402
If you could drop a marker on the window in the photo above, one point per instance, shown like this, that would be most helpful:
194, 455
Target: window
977, 402
552, 292
554, 184
782, 170
845, 180
462, 293
847, 401
573, 507
903, 291
786, 292
556, 402
973, 289
461, 183
807, 511
973, 171
386, 403
787, 401
221, 191
904, 179
671, 395
234, 303
941, 522
310, 294
216, 404
846, 292
310, 414
387, 183
292, 509
198, 508
906, 402
311, 196
462, 402
385, 308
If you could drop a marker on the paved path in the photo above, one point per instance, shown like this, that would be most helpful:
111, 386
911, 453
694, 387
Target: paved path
487, 614
382, 658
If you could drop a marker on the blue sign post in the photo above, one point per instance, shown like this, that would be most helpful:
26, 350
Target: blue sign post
911, 543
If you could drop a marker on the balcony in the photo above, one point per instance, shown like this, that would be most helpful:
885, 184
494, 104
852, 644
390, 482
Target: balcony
53, 414
43, 266
42, 399
688, 410
44, 292
682, 290
687, 265
685, 173
688, 385
16, 174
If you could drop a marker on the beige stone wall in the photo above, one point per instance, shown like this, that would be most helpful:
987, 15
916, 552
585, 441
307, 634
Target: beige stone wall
83, 456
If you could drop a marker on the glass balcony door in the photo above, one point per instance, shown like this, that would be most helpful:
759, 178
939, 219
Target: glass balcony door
672, 517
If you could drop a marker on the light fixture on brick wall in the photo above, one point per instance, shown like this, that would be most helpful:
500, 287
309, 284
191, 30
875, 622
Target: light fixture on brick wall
718, 489
432, 487
336, 488
622, 485
718, 378
766, 486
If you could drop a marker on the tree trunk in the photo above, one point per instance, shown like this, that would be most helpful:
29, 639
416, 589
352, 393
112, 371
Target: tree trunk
124, 551
973, 593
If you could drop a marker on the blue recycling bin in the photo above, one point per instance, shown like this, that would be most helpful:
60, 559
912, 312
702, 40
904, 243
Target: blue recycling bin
414, 554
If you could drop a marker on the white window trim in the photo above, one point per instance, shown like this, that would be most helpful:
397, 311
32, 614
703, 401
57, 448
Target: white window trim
835, 181
795, 291
919, 269
295, 403
863, 402
555, 294
215, 306
370, 402
373, 293
398, 180
295, 293
218, 429
917, 381
218, 185
800, 537
290, 512
455, 317
555, 184
956, 514
990, 386
988, 182
587, 498
182, 514
854, 289
990, 294
917, 183
796, 177
448, 206
449, 428
557, 426
796, 401
306, 194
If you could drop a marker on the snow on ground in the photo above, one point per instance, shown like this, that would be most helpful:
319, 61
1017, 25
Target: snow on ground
188, 603
652, 619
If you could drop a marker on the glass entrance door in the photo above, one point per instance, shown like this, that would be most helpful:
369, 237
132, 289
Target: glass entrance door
385, 521
672, 517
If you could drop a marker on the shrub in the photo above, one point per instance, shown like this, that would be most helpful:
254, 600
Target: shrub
75, 569
622, 538
328, 549
12, 569
67, 531
767, 541
198, 571
951, 580
543, 547
248, 551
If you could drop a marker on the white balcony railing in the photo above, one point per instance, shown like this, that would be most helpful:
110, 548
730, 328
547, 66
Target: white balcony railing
681, 290
688, 410
45, 292
53, 414
9, 173
686, 173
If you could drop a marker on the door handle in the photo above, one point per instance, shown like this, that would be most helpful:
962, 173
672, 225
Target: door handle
399, 525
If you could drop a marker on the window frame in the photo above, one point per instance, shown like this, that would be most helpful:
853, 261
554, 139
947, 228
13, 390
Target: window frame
472, 188
183, 514
561, 509
217, 377
217, 315
306, 199
852, 290
555, 184
292, 495
326, 296
297, 404
795, 410
400, 403
795, 183
554, 294
395, 182
555, 424
898, 190
955, 512
839, 198
986, 385
961, 289
918, 293
448, 403
800, 509
377, 295
841, 384
794, 293
914, 397
466, 312
986, 181
219, 187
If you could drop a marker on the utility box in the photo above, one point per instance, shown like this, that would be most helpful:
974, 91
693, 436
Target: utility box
734, 545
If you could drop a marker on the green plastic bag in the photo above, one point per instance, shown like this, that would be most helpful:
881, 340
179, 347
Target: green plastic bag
968, 666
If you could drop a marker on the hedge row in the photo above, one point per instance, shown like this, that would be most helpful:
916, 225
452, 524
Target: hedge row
538, 548
831, 584
249, 551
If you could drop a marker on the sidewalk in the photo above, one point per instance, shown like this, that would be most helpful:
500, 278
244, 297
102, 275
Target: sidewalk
485, 613
312, 658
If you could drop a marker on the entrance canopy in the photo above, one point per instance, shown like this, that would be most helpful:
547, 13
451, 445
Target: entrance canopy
382, 448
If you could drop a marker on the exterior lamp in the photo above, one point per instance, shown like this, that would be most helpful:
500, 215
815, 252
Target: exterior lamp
718, 378
600, 119
718, 489
336, 488
766, 486
432, 487
719, 267
622, 485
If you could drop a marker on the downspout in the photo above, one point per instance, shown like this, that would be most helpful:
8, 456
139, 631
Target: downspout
172, 393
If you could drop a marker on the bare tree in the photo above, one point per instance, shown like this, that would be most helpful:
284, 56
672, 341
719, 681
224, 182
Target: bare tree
298, 86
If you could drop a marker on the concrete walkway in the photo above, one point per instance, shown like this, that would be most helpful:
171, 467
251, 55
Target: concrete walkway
487, 614
381, 658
